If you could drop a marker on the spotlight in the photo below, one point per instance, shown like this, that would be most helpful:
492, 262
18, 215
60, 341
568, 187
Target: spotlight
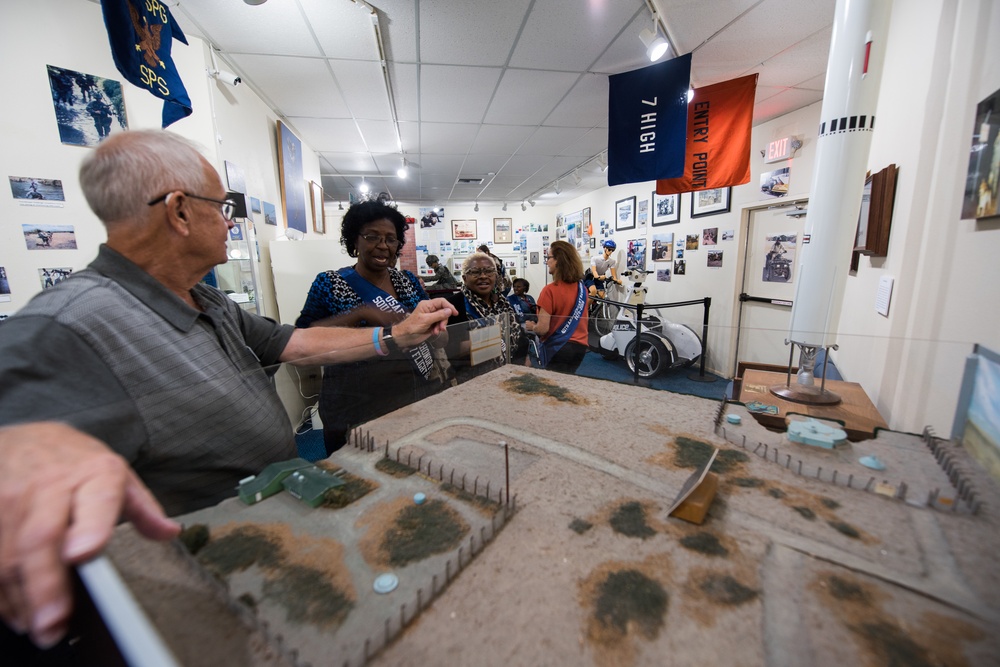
576, 176
477, 208
523, 207
364, 186
532, 202
505, 206
655, 44
403, 170
558, 189
340, 206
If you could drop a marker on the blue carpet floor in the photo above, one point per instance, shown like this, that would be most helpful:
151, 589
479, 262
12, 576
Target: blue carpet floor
676, 380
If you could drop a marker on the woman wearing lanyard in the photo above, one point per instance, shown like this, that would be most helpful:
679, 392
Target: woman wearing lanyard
562, 312
370, 293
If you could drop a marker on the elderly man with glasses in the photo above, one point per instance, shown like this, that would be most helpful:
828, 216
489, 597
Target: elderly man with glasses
132, 370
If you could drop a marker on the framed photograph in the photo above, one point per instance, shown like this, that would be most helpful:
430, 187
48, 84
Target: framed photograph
502, 230
875, 217
270, 213
625, 214
710, 202
586, 220
982, 187
293, 190
464, 230
318, 211
666, 209
593, 242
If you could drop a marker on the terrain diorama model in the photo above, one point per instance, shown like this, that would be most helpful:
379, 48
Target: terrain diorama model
522, 518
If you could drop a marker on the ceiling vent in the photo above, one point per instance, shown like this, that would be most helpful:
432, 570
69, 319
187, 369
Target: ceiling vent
471, 181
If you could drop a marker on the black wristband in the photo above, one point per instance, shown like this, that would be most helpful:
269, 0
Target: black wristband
390, 343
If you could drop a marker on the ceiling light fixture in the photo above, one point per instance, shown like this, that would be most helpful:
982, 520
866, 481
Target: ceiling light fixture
558, 189
404, 169
576, 176
655, 44
364, 186
505, 206
532, 203
602, 162
523, 206
255, 2
340, 206
477, 208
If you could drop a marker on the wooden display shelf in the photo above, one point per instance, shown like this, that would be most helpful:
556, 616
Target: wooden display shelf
855, 411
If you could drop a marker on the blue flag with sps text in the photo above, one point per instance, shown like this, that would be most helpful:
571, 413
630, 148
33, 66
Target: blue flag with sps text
647, 122
141, 34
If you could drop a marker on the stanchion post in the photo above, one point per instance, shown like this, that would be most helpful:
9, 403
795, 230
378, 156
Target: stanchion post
701, 377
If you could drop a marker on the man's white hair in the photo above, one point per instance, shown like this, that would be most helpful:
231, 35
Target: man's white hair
128, 170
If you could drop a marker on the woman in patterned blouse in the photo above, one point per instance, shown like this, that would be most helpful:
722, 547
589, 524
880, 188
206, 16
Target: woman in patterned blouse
370, 293
484, 306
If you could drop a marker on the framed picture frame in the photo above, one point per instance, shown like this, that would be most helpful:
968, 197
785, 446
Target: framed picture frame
625, 214
318, 211
875, 217
982, 187
585, 220
593, 242
293, 194
464, 230
710, 202
666, 209
502, 230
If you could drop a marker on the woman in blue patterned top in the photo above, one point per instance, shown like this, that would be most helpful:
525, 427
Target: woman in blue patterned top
370, 293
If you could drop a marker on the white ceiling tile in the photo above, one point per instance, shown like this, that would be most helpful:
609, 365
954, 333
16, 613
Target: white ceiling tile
283, 80
405, 91
501, 138
379, 136
344, 29
585, 106
470, 32
551, 140
330, 135
590, 144
545, 88
455, 94
447, 138
777, 105
571, 37
235, 27
363, 86
350, 163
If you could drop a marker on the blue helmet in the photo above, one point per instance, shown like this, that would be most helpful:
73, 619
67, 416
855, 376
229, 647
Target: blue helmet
609, 244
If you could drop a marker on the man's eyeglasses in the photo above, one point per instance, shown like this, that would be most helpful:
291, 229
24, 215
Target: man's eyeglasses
389, 241
475, 273
227, 205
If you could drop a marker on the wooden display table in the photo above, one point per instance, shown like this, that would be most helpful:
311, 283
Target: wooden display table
855, 411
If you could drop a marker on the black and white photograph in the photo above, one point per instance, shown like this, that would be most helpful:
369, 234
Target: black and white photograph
49, 237
679, 266
779, 257
714, 259
37, 191
666, 209
710, 236
643, 212
663, 275
625, 214
53, 276
429, 217
88, 107
728, 234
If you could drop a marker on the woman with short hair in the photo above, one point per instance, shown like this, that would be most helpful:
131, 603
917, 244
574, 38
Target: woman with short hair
562, 312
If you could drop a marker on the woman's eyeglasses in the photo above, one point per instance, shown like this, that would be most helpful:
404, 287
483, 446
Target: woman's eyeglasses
475, 273
389, 241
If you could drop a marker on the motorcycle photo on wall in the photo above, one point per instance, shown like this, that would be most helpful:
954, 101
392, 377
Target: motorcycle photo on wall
780, 249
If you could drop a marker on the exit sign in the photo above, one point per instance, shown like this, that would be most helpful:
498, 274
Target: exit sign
779, 149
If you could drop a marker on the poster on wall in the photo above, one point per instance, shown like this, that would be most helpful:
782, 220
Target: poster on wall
982, 184
779, 257
663, 274
429, 217
662, 247
293, 190
635, 256
88, 107
775, 183
54, 276
30, 191
714, 260
49, 237
270, 213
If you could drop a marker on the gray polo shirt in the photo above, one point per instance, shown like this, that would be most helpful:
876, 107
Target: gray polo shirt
181, 394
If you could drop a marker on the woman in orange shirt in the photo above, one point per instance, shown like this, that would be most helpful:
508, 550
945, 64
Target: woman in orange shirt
562, 312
